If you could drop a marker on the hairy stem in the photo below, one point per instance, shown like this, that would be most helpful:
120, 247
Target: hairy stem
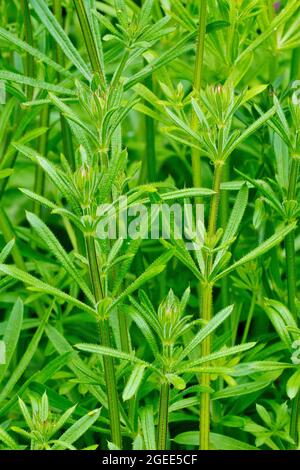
207, 308
162, 431
105, 340
150, 139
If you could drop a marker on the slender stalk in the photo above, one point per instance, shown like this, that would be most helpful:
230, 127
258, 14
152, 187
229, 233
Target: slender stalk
163, 414
150, 139
292, 286
249, 318
39, 181
224, 213
29, 63
105, 340
65, 130
290, 241
207, 308
196, 163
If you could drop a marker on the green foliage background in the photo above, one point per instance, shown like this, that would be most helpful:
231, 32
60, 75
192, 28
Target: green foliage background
142, 344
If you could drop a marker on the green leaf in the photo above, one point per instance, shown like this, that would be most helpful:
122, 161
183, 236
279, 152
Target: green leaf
7, 439
58, 251
40, 56
148, 428
217, 441
77, 429
41, 286
242, 389
11, 336
26, 358
133, 382
6, 250
104, 351
207, 330
35, 83
260, 250
234, 221
59, 35
293, 385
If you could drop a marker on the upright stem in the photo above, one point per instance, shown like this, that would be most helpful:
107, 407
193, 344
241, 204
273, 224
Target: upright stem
65, 130
29, 63
163, 413
290, 240
207, 308
224, 213
150, 139
105, 340
292, 286
196, 164
39, 182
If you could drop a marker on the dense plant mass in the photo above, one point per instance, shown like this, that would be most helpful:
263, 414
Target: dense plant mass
111, 335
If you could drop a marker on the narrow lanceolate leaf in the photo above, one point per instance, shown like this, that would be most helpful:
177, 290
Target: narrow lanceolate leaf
148, 428
150, 272
6, 250
217, 320
25, 359
77, 429
226, 352
260, 250
134, 382
293, 385
104, 351
58, 251
35, 83
59, 35
8, 440
41, 286
242, 389
56, 176
217, 441
38, 55
11, 335
249, 131
234, 220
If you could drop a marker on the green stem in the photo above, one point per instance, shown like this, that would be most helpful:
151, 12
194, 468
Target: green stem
292, 285
207, 290
65, 130
163, 415
290, 241
249, 318
39, 182
207, 308
105, 340
196, 163
29, 63
150, 139
224, 213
